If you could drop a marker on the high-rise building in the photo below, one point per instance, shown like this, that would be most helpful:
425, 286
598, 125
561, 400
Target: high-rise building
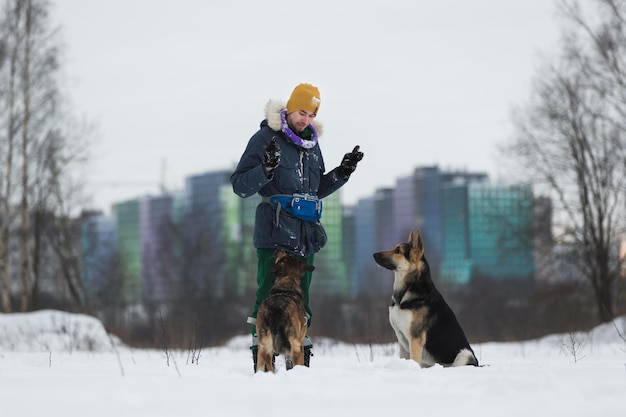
501, 231
373, 225
98, 251
240, 256
456, 265
158, 240
204, 272
331, 274
348, 231
430, 183
126, 220
488, 233
404, 210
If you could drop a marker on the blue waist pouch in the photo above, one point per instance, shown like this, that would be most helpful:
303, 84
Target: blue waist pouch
302, 206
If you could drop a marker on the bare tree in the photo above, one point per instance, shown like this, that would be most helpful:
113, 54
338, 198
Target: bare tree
12, 41
54, 215
571, 139
24, 206
51, 151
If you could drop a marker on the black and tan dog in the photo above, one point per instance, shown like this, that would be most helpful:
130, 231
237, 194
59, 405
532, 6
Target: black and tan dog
427, 329
281, 320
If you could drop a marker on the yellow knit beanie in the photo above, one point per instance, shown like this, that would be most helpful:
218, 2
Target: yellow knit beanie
304, 97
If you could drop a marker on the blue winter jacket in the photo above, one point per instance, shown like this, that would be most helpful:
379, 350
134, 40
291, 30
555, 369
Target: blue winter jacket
301, 171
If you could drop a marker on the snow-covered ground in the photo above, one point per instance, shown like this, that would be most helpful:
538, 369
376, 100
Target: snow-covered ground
59, 364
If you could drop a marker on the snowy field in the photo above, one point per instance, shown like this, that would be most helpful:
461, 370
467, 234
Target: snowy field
58, 364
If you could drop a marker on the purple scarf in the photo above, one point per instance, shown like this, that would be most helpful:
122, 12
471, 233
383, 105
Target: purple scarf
307, 144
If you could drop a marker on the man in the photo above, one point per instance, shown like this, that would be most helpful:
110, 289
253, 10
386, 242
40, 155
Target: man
283, 163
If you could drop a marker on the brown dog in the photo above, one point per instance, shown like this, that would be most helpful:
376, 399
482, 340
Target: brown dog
281, 320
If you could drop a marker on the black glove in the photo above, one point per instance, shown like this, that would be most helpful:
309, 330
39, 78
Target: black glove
348, 163
271, 156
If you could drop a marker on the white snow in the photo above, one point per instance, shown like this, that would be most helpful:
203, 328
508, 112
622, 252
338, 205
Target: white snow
60, 364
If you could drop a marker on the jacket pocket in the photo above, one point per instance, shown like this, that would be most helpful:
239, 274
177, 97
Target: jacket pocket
318, 236
286, 234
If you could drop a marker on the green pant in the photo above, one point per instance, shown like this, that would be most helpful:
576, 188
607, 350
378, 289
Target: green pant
265, 280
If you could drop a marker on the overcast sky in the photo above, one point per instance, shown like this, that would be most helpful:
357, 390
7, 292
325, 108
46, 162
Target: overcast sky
177, 88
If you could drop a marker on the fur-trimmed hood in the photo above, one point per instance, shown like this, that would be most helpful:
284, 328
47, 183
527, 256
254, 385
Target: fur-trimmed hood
272, 115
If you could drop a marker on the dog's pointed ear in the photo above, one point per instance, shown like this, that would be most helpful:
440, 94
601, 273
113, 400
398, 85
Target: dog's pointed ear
417, 250
278, 255
410, 237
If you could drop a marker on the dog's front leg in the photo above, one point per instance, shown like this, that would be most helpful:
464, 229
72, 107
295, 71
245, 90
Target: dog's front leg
417, 347
401, 323
404, 354
404, 351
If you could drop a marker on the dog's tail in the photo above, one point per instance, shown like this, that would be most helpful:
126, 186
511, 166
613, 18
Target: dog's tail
280, 338
465, 357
